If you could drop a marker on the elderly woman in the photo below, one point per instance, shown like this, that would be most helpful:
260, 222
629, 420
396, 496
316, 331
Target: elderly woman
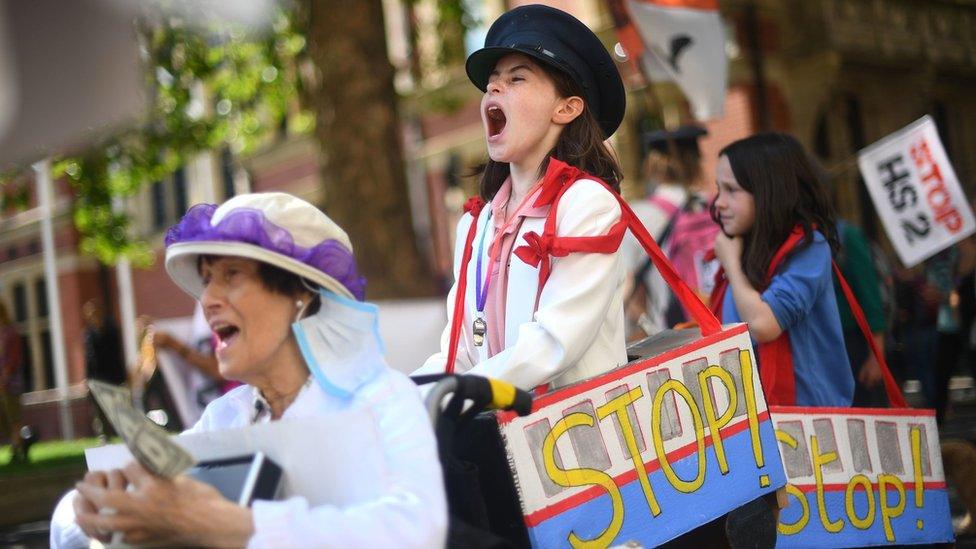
278, 284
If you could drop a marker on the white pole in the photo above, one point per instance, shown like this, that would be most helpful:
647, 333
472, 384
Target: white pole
46, 193
127, 306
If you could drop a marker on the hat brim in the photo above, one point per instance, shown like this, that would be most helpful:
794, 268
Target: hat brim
181, 264
481, 62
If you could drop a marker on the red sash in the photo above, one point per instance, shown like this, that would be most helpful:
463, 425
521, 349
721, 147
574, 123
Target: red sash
776, 357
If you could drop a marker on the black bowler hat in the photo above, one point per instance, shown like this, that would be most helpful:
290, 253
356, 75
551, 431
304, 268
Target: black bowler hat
684, 137
560, 40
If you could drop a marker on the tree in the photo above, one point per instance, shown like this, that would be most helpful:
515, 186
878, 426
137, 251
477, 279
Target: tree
229, 88
357, 126
219, 88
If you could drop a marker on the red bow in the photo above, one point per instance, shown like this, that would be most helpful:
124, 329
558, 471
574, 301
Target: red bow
538, 247
473, 206
558, 175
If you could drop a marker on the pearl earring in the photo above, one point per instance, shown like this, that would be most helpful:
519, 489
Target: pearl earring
299, 303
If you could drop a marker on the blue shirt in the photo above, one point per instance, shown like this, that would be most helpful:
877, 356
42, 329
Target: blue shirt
802, 298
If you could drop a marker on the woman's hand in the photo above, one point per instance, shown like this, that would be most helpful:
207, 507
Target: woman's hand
85, 509
728, 250
179, 510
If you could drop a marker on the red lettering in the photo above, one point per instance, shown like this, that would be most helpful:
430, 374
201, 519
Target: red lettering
935, 174
921, 154
951, 220
938, 198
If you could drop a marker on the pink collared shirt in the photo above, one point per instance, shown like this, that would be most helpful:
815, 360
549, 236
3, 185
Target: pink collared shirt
507, 232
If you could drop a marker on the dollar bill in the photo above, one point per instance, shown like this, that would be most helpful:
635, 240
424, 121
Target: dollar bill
110, 398
149, 443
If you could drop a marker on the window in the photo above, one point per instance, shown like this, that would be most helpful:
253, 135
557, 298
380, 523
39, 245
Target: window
31, 315
179, 193
227, 173
40, 296
169, 200
20, 302
158, 204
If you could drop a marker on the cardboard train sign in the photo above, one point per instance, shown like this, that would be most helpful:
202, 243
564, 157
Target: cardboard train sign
648, 451
860, 477
916, 192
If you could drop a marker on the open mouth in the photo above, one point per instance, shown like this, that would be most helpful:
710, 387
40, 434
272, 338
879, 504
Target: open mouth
496, 120
226, 334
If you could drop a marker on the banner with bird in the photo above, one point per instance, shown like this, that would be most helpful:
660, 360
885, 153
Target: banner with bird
681, 41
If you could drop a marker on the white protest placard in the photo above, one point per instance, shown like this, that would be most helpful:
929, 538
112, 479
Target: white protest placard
861, 477
648, 451
916, 192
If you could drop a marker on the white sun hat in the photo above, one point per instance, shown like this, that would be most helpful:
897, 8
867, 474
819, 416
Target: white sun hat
274, 228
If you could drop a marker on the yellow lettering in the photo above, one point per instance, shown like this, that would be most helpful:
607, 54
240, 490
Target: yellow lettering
801, 523
888, 512
819, 460
686, 486
618, 406
583, 477
748, 391
916, 436
716, 423
868, 520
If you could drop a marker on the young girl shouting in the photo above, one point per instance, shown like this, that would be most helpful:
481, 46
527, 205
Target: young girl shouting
775, 248
538, 291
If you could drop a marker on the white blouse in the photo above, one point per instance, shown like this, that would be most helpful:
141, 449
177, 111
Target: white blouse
412, 512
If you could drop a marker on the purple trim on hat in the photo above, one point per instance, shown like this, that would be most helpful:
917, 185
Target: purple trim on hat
250, 226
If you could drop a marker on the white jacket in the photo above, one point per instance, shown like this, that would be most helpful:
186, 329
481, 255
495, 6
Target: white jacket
577, 331
411, 513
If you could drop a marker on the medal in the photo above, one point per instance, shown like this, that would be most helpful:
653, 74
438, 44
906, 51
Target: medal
479, 329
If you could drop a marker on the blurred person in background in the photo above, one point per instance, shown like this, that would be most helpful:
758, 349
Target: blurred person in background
676, 215
859, 264
928, 327
11, 384
199, 354
103, 358
954, 319
103, 346
940, 278
856, 262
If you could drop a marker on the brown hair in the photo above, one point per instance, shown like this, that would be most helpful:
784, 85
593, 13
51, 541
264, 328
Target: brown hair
580, 144
682, 165
776, 170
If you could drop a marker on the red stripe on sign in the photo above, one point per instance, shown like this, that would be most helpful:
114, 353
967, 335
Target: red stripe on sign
614, 375
708, 5
814, 411
558, 508
806, 488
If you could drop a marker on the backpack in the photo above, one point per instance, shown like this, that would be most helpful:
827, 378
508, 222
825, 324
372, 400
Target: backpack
687, 239
692, 237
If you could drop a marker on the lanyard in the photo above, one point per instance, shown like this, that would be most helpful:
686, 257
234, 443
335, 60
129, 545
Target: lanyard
481, 290
481, 293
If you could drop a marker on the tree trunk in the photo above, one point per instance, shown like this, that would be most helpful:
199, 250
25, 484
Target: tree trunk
357, 126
